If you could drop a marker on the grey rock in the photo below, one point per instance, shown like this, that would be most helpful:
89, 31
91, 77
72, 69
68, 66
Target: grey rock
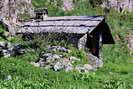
68, 67
85, 68
6, 53
4, 50
88, 67
96, 62
80, 69
99, 63
8, 50
10, 47
19, 49
18, 46
9, 77
22, 51
42, 64
35, 64
45, 55
48, 57
63, 64
58, 48
73, 59
58, 66
3, 44
56, 56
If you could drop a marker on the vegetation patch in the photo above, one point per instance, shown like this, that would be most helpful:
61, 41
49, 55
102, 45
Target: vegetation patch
19, 73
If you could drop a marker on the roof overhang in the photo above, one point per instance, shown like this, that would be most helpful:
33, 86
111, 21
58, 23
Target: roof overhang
66, 24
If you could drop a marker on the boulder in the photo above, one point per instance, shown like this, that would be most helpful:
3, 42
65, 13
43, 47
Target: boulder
3, 44
6, 53
80, 69
73, 59
69, 68
48, 59
85, 68
95, 61
8, 50
58, 66
63, 65
88, 67
19, 49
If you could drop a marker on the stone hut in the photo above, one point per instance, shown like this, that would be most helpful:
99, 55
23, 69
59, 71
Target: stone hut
85, 32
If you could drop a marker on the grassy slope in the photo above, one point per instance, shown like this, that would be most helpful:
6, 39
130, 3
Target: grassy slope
117, 72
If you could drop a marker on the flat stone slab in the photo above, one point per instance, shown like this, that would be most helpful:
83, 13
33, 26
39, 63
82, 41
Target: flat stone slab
66, 24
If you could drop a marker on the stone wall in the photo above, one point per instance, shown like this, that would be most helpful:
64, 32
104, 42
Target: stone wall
78, 40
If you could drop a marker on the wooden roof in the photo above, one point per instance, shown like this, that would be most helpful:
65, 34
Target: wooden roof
66, 24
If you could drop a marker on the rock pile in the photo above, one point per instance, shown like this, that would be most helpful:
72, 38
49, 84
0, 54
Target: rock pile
60, 62
55, 61
8, 50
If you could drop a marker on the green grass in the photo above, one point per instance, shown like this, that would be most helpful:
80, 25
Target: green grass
116, 73
26, 76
